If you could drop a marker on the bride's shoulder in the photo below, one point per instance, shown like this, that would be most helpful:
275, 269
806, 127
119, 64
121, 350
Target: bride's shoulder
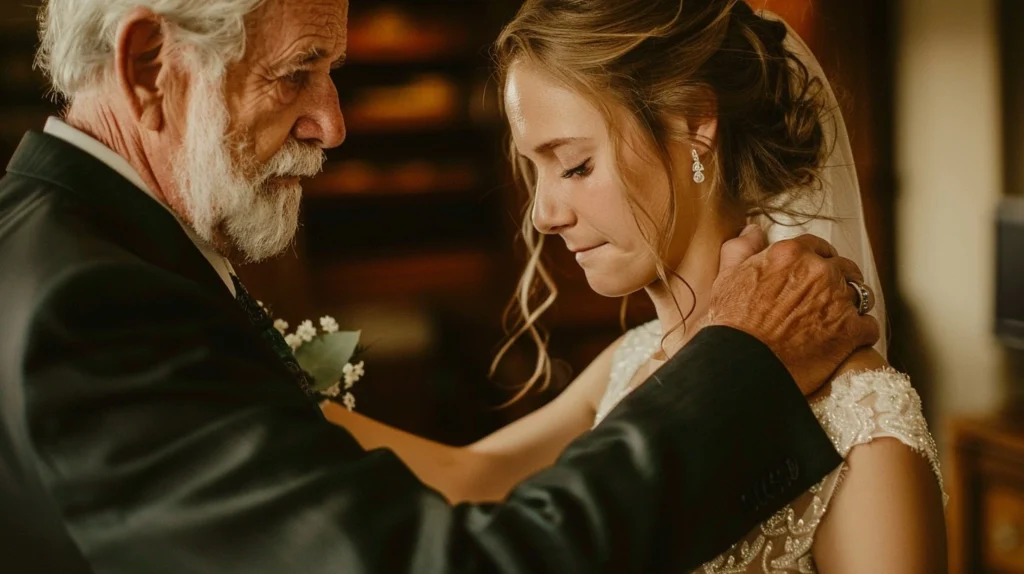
868, 400
890, 485
864, 394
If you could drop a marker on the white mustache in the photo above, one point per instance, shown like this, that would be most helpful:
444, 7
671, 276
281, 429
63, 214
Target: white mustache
296, 159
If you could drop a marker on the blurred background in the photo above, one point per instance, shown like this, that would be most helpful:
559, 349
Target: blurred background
408, 234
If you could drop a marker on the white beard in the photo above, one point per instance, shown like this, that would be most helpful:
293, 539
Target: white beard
257, 216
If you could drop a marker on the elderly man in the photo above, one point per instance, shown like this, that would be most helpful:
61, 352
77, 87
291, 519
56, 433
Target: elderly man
152, 423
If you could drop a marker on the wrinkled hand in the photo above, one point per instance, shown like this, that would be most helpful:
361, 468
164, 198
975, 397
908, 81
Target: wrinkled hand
794, 297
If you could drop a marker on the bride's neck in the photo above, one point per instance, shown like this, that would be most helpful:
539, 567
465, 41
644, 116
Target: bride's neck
673, 301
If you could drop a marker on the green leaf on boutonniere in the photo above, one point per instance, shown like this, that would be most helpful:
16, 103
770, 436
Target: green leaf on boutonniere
325, 357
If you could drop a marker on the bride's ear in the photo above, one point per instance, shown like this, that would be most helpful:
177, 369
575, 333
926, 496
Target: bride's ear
705, 133
701, 133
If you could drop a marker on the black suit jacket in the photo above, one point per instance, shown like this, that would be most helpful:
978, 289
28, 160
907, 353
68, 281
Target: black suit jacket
147, 427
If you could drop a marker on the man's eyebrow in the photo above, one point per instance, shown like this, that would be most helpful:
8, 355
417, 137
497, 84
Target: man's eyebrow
314, 55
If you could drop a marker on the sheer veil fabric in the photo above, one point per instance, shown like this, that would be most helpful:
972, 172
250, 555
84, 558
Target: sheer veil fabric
837, 208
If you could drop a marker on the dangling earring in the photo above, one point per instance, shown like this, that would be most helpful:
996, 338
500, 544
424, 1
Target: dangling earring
698, 168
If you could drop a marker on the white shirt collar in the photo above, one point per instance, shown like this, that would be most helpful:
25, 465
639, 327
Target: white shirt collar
58, 129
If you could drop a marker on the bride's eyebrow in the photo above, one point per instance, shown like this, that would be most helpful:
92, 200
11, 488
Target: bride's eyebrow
551, 145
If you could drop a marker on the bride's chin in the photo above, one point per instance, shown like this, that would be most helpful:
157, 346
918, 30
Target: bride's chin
612, 287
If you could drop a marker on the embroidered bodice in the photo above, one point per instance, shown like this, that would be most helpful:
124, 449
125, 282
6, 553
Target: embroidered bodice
859, 408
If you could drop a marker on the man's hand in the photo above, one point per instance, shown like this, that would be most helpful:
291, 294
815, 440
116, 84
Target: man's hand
794, 297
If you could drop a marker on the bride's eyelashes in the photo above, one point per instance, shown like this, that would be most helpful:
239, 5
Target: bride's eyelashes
582, 170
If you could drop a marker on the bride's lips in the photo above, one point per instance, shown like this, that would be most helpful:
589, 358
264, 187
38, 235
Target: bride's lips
583, 253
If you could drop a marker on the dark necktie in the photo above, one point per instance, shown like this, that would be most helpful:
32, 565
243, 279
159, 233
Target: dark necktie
265, 325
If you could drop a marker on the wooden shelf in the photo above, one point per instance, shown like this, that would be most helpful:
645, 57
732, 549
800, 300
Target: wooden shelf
426, 100
455, 62
409, 125
359, 178
402, 58
442, 274
392, 33
457, 139
325, 192
338, 227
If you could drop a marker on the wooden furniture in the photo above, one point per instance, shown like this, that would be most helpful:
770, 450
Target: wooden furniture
986, 508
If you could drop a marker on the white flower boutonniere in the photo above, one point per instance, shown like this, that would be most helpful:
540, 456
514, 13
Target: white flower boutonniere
329, 356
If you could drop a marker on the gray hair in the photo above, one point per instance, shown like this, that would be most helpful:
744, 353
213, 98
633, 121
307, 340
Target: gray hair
77, 36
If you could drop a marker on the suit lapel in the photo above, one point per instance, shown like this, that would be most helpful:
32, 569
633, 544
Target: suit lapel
134, 220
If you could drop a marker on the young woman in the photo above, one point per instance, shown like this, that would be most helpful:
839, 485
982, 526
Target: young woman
648, 132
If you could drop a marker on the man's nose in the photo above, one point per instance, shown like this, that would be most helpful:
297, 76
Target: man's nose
323, 123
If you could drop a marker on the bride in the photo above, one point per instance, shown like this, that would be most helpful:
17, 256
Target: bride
648, 132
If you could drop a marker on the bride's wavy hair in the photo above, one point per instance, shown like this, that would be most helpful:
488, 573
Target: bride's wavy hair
659, 60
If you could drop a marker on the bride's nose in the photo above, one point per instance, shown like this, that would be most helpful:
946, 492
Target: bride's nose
552, 213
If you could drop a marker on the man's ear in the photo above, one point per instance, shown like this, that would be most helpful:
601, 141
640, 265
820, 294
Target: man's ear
140, 60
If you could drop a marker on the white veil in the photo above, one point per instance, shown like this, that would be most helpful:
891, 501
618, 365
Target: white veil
839, 199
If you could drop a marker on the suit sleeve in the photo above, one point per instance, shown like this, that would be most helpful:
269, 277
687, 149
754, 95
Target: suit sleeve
170, 446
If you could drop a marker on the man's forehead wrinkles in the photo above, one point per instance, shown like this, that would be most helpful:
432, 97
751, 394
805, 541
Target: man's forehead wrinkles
319, 22
324, 17
329, 25
327, 39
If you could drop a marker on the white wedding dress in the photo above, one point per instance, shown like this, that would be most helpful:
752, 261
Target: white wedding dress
859, 408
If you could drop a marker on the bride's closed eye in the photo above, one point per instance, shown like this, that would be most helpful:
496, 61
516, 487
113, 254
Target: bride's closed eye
582, 170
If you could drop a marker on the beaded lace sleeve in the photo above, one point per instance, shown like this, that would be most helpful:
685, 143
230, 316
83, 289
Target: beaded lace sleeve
860, 407
876, 404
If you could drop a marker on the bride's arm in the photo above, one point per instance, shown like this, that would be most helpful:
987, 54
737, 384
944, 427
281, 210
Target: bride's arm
887, 515
487, 470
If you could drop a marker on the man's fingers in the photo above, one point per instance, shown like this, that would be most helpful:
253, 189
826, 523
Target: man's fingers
751, 241
853, 281
752, 230
851, 271
818, 245
867, 331
855, 296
